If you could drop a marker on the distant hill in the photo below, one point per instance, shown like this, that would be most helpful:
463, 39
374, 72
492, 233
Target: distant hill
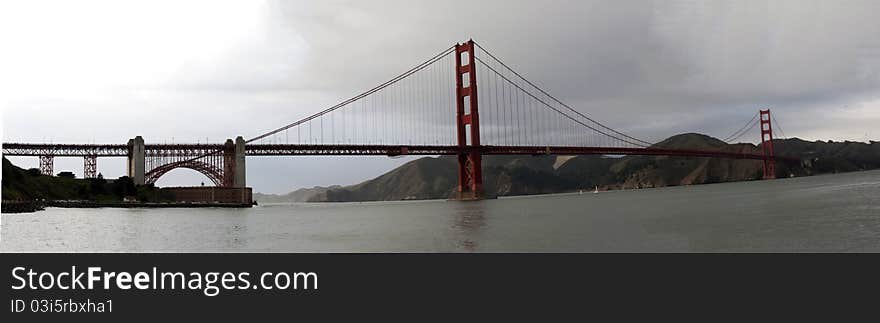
435, 178
300, 195
659, 171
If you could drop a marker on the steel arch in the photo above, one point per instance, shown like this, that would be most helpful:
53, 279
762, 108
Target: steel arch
215, 174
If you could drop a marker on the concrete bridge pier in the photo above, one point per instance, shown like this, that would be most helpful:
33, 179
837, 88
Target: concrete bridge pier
234, 171
136, 160
240, 177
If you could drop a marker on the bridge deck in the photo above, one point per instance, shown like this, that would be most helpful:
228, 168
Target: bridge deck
82, 150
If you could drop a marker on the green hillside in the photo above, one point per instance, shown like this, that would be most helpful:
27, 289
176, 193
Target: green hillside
28, 185
435, 177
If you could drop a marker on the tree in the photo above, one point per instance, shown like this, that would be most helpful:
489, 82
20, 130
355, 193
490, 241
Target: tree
96, 185
33, 172
67, 175
124, 186
82, 192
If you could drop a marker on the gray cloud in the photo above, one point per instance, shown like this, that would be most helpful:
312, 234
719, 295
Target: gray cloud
650, 68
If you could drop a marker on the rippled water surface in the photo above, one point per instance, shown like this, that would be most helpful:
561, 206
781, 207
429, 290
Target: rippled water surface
821, 213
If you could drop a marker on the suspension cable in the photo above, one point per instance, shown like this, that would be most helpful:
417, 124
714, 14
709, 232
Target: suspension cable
743, 133
738, 133
402, 76
551, 107
396, 79
643, 143
779, 127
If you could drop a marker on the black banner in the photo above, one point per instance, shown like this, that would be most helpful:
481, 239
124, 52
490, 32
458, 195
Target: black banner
422, 286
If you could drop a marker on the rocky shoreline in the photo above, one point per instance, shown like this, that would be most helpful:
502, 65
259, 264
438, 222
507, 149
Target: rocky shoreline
20, 206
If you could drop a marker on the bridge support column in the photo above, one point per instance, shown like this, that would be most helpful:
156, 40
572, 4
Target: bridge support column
470, 173
136, 160
90, 166
239, 175
229, 163
47, 165
767, 145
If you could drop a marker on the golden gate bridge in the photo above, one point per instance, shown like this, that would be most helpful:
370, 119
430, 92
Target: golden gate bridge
464, 101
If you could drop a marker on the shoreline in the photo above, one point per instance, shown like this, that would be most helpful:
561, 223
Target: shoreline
93, 204
34, 206
20, 206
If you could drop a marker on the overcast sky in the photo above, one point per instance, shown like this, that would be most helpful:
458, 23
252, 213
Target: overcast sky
175, 71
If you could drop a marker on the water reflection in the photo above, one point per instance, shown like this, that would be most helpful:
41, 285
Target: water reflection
133, 229
236, 231
467, 225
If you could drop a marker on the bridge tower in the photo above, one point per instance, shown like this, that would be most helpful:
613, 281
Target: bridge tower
767, 145
228, 163
234, 163
239, 178
470, 174
136, 160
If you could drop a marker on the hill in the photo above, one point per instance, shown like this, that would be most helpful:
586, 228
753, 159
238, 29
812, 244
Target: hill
300, 195
435, 177
29, 185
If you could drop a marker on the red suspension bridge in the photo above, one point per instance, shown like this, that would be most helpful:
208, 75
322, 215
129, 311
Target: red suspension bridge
463, 101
